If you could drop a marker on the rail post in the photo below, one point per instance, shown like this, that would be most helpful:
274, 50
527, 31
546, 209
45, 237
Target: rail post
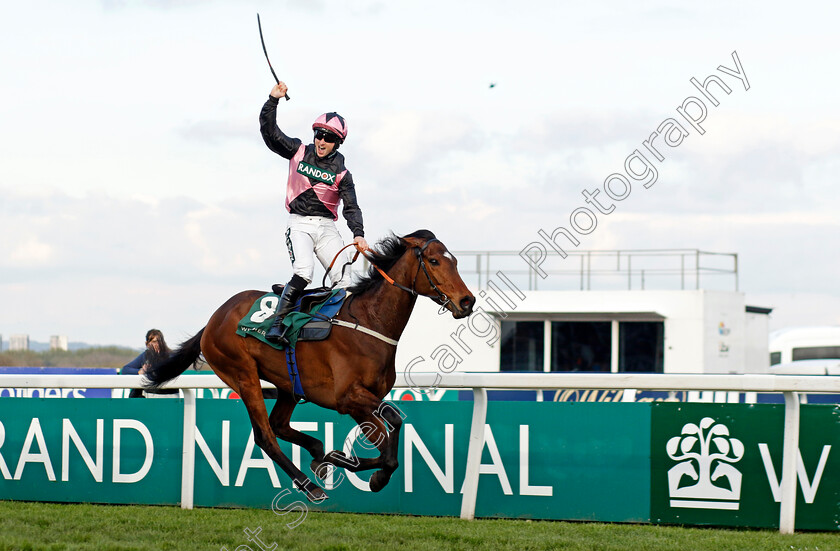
188, 451
479, 417
790, 450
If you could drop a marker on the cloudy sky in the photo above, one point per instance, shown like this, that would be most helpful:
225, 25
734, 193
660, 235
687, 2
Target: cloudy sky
136, 191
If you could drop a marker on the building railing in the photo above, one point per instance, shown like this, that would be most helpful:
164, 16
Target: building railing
620, 269
604, 269
479, 383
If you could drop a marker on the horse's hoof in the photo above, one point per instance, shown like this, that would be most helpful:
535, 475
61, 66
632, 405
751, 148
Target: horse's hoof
313, 492
379, 480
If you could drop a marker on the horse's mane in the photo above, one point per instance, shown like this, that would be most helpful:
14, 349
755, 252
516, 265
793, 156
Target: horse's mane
385, 253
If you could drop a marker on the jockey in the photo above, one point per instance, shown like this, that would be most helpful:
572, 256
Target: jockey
317, 181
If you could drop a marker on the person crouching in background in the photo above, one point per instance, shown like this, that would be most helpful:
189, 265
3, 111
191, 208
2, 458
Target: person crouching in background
156, 351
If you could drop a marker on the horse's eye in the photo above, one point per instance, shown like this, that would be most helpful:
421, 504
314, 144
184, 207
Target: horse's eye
433, 262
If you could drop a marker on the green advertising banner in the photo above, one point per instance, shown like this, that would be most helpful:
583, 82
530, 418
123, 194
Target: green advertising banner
566, 461
540, 460
720, 464
96, 450
683, 463
233, 471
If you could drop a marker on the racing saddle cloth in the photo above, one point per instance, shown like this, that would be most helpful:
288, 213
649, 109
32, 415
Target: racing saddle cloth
309, 321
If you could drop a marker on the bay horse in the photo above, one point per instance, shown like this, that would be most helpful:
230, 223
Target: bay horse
349, 372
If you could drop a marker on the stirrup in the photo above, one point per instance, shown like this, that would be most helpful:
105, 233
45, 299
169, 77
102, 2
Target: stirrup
277, 332
278, 337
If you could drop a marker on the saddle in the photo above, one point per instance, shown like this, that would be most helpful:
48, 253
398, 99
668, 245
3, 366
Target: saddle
309, 321
316, 306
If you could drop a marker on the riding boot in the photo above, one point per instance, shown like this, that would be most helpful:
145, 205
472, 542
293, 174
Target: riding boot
288, 298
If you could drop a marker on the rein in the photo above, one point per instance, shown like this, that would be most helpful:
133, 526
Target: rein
443, 300
418, 251
327, 271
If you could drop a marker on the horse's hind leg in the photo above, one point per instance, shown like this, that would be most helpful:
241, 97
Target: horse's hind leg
265, 438
279, 419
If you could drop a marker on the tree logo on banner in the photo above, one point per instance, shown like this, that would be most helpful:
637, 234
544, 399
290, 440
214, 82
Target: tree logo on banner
705, 453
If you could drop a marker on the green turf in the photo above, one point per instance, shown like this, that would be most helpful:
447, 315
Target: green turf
37, 526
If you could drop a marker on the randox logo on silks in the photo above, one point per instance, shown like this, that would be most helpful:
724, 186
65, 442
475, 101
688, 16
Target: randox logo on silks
323, 176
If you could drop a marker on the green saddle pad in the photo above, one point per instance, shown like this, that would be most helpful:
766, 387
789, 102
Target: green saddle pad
259, 318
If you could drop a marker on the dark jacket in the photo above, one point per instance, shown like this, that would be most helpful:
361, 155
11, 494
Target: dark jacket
310, 195
133, 368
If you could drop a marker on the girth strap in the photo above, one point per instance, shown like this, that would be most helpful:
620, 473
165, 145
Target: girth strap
365, 330
291, 357
294, 376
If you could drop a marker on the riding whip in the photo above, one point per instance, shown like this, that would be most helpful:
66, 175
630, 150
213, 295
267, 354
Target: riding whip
259, 25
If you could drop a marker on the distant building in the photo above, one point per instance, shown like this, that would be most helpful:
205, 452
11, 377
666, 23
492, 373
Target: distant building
606, 318
58, 342
19, 342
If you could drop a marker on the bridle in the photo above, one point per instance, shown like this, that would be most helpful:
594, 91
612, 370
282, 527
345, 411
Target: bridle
441, 298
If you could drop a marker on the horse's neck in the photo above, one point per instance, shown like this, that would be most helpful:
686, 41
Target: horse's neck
387, 307
390, 308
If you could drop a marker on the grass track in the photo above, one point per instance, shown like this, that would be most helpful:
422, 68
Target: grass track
54, 527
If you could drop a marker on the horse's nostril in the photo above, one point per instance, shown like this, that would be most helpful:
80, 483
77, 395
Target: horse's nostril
467, 302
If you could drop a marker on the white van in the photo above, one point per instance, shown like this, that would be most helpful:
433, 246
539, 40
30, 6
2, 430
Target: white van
804, 343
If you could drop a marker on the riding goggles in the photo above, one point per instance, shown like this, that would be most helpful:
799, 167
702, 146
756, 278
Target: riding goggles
328, 137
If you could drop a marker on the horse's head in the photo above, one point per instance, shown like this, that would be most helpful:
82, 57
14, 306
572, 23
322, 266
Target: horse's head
437, 275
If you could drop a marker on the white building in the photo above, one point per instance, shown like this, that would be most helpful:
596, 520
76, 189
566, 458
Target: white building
621, 331
58, 342
604, 331
19, 342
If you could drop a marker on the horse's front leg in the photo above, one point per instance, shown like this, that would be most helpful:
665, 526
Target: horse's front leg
384, 432
380, 423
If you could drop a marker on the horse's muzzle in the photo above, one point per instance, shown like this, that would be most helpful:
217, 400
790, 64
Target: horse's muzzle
464, 307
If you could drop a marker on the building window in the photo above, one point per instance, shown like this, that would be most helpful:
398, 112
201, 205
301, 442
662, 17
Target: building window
816, 353
522, 346
583, 346
580, 346
641, 346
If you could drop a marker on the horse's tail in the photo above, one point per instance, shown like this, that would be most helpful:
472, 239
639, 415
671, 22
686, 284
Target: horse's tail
185, 356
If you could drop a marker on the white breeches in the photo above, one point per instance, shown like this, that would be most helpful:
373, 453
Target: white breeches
311, 236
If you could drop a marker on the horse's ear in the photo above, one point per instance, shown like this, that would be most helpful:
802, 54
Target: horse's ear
412, 241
